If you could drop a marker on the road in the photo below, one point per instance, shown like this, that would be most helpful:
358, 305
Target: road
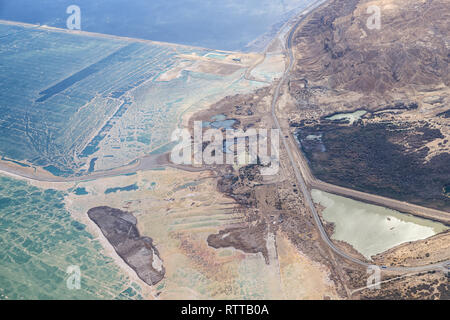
313, 183
301, 181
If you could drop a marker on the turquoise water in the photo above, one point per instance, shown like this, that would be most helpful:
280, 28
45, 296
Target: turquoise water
129, 174
132, 187
226, 124
39, 241
81, 191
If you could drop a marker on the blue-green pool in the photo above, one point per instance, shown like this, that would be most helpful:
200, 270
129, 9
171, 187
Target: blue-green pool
38, 242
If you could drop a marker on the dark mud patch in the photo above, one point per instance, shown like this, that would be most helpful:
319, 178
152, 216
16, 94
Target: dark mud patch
249, 239
445, 114
240, 186
446, 190
386, 159
119, 227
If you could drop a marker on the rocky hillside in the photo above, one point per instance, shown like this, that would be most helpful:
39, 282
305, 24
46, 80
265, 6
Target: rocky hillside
342, 49
397, 72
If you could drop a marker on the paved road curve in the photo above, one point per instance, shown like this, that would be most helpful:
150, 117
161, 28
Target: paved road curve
301, 181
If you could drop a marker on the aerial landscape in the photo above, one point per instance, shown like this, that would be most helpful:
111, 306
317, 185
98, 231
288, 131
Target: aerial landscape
241, 150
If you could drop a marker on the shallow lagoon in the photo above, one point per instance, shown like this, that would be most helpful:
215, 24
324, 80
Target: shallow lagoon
219, 121
372, 229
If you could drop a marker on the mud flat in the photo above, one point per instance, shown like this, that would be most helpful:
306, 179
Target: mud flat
249, 240
119, 227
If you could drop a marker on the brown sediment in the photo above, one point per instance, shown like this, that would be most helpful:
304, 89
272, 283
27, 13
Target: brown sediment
119, 227
250, 239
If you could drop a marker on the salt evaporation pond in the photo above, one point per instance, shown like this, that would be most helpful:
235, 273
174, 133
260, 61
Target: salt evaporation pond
372, 229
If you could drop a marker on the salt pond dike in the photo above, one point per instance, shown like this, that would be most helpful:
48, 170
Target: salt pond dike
119, 227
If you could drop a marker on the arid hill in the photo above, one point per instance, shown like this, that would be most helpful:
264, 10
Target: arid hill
338, 49
399, 74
